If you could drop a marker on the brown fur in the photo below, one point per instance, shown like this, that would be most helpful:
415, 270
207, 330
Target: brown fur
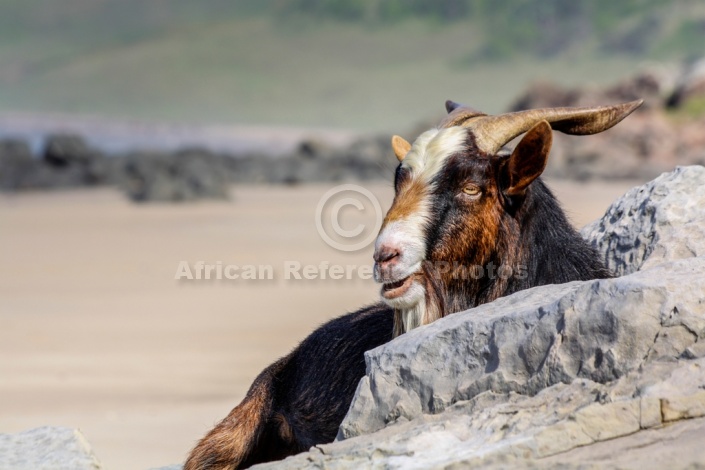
233, 442
406, 202
485, 235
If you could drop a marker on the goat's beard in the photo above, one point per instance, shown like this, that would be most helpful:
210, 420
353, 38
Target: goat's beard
443, 296
427, 310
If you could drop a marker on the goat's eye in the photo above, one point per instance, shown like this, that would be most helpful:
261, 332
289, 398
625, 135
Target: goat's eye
472, 190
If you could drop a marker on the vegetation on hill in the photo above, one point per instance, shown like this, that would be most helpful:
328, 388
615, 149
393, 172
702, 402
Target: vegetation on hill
344, 63
545, 28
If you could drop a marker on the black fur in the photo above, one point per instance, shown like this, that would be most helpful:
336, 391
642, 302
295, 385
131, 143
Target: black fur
555, 251
317, 396
300, 400
534, 237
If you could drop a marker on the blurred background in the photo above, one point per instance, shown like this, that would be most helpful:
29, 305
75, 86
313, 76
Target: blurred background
135, 135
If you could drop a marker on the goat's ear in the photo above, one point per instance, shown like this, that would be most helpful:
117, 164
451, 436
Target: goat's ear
528, 160
400, 146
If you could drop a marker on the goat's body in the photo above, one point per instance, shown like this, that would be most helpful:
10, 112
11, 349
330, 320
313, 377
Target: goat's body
300, 400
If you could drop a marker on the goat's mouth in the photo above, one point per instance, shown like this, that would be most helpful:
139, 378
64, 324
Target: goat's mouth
392, 290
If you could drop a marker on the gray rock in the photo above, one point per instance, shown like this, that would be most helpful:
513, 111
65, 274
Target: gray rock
659, 221
596, 330
583, 424
364, 159
16, 164
74, 163
66, 162
66, 149
188, 175
47, 448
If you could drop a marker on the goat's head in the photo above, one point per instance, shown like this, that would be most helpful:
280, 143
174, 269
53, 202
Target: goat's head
455, 198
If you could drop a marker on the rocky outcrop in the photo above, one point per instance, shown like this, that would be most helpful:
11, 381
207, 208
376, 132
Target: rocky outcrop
16, 163
47, 448
364, 159
185, 176
650, 86
661, 220
642, 146
599, 331
594, 372
583, 424
66, 162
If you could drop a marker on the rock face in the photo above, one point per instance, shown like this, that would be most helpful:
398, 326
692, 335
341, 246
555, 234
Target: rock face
661, 220
598, 330
47, 448
585, 373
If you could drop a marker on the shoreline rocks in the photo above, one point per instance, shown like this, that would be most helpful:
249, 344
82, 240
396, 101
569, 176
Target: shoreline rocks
663, 133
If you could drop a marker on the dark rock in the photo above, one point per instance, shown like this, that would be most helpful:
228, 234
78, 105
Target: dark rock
690, 85
188, 175
649, 86
16, 164
314, 148
76, 163
62, 150
545, 95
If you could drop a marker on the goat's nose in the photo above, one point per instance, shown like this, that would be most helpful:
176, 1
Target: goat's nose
385, 254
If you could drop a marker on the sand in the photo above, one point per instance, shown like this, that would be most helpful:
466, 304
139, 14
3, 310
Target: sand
96, 333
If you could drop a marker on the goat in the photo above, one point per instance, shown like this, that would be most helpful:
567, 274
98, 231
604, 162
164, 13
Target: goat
458, 204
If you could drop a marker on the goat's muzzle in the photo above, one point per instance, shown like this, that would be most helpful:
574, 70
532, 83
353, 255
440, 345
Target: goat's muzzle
392, 272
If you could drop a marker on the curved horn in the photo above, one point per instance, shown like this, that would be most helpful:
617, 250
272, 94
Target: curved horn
493, 132
458, 114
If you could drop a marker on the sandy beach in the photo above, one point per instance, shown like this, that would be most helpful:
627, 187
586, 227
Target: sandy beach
96, 333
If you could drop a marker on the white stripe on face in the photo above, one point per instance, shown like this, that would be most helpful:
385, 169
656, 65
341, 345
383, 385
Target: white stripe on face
404, 227
424, 161
430, 151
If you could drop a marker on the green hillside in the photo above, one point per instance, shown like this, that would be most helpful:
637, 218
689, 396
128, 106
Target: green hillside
340, 63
